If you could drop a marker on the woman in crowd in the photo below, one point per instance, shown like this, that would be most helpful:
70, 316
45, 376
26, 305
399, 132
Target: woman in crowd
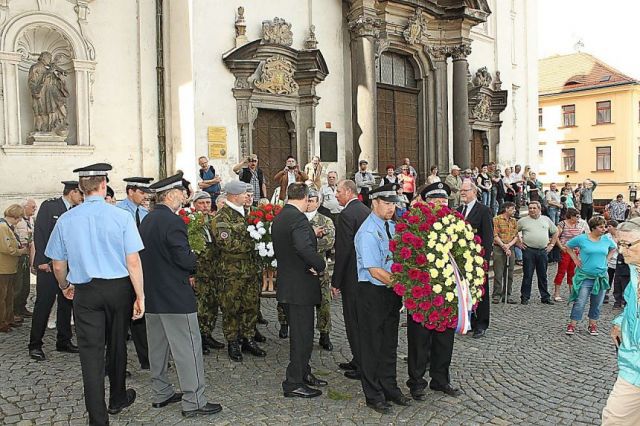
407, 182
433, 175
483, 181
10, 251
635, 210
569, 228
390, 177
506, 183
590, 281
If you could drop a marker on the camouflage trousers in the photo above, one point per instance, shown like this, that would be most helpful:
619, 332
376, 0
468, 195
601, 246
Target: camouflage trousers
207, 300
323, 310
239, 301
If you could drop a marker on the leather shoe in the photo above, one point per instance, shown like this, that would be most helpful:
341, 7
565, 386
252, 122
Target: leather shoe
352, 374
176, 397
234, 351
258, 337
37, 354
208, 409
547, 302
263, 321
347, 366
401, 399
419, 395
381, 407
67, 347
131, 396
252, 347
524, 301
312, 380
303, 392
325, 342
284, 331
478, 333
448, 389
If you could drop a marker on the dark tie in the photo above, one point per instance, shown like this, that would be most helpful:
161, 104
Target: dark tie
386, 228
464, 211
138, 216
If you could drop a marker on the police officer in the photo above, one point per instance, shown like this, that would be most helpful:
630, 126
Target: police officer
377, 306
103, 286
46, 286
430, 347
238, 292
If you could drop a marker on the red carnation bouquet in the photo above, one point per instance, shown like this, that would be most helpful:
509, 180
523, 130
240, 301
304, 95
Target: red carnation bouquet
259, 228
438, 267
196, 223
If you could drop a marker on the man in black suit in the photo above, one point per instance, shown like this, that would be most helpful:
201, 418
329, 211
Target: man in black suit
172, 319
46, 285
298, 288
480, 218
345, 274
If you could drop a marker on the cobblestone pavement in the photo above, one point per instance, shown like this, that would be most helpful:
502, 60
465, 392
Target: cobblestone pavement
526, 371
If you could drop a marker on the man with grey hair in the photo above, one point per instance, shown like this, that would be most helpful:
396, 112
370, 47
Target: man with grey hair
24, 230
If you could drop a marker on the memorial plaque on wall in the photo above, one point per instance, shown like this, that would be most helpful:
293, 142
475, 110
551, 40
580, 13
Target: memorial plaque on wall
329, 147
217, 140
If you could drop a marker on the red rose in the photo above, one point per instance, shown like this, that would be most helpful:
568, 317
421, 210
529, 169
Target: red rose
441, 327
269, 217
186, 219
399, 289
406, 214
433, 317
438, 300
417, 292
401, 227
418, 317
425, 278
407, 237
414, 219
405, 253
396, 268
477, 239
425, 306
410, 304
393, 245
182, 212
430, 326
445, 209
421, 259
458, 215
414, 274
258, 213
453, 322
424, 227
482, 252
446, 312
417, 243
441, 213
268, 207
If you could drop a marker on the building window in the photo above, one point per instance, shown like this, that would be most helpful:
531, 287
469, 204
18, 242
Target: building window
568, 115
569, 160
603, 112
603, 158
395, 70
540, 123
540, 155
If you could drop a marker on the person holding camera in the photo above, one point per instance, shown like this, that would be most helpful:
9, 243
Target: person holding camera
248, 172
290, 174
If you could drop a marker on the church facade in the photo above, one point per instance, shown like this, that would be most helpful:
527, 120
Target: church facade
151, 86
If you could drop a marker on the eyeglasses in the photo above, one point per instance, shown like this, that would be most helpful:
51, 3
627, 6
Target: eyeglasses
253, 161
625, 245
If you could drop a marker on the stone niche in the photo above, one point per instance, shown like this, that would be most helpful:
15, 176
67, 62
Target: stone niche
22, 40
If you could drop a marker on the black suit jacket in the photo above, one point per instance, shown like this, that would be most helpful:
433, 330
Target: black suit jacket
46, 220
167, 262
481, 220
345, 270
295, 246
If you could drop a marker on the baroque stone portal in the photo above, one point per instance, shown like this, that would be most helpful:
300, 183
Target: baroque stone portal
277, 77
49, 96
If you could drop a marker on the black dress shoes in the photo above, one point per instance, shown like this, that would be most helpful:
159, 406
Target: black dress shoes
419, 395
381, 407
252, 347
547, 302
284, 331
448, 389
176, 397
303, 392
524, 301
401, 399
352, 374
347, 366
37, 354
325, 342
68, 347
131, 396
478, 333
312, 380
234, 351
258, 337
207, 410
205, 350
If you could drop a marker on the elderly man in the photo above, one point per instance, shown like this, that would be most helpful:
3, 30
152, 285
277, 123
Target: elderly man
539, 236
328, 195
249, 172
24, 230
454, 182
554, 205
479, 217
364, 181
505, 237
208, 180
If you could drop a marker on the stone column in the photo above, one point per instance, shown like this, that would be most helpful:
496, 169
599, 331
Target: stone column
9, 62
83, 70
461, 145
364, 30
439, 55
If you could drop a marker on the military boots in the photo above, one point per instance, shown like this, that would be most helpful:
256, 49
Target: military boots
234, 351
250, 345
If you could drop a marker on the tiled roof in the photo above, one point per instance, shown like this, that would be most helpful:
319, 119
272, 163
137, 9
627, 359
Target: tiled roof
577, 71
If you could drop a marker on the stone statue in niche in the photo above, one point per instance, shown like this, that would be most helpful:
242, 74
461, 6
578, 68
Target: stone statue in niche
49, 96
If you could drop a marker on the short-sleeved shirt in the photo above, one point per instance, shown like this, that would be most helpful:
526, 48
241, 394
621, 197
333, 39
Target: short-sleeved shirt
505, 229
536, 232
593, 254
372, 247
568, 231
94, 238
131, 207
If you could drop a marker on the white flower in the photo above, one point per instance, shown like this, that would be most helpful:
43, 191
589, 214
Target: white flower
262, 231
454, 237
434, 273
443, 238
479, 293
479, 260
437, 226
449, 296
431, 257
269, 245
468, 235
478, 281
262, 246
439, 263
260, 225
473, 300
274, 263
448, 271
437, 289
480, 271
448, 282
445, 220
468, 267
271, 253
251, 228
450, 230
262, 253
439, 248
431, 243
432, 236
463, 243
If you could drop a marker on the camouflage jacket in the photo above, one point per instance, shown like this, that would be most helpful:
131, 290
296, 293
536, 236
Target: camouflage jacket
230, 235
326, 242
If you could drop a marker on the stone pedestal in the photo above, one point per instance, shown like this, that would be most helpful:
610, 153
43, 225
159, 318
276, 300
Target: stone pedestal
46, 139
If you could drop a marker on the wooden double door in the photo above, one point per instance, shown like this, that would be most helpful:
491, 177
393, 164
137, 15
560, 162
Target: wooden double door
272, 143
398, 116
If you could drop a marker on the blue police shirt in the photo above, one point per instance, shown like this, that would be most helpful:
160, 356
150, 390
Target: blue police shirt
94, 238
372, 247
131, 207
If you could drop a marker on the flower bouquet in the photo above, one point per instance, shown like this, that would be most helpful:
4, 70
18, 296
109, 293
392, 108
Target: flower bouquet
438, 267
196, 228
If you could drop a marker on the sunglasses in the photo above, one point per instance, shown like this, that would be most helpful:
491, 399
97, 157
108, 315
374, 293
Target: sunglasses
626, 245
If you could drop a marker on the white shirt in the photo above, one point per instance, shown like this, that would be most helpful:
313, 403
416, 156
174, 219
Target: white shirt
292, 177
516, 177
329, 199
469, 207
239, 209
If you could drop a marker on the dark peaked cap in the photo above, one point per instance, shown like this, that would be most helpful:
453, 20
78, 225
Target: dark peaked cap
436, 190
98, 169
142, 183
388, 192
70, 184
171, 182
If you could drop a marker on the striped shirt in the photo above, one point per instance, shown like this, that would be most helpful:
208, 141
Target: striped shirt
568, 231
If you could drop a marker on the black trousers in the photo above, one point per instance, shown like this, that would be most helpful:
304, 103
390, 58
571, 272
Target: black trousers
619, 285
349, 298
428, 348
378, 310
480, 318
586, 211
103, 312
46, 292
139, 337
300, 319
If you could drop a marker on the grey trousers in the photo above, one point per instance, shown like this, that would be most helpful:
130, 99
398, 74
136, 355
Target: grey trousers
499, 261
179, 333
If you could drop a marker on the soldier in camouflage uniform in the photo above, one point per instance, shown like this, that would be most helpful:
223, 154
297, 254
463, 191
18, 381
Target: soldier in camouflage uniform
326, 235
238, 292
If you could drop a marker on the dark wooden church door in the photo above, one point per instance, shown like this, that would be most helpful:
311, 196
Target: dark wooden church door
272, 144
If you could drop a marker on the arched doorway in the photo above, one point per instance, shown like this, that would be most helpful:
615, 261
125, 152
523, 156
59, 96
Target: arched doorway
398, 111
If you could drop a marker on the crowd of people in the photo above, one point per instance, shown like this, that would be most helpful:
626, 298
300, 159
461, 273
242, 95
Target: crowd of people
93, 257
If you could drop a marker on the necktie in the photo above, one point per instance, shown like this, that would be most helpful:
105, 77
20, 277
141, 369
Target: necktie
386, 228
138, 216
464, 211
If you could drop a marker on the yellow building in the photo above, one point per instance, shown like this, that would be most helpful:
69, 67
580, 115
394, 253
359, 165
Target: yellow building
589, 125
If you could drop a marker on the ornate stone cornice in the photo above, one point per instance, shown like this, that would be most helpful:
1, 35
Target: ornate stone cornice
461, 51
439, 53
365, 26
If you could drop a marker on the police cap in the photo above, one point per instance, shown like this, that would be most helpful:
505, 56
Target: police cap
98, 169
70, 184
436, 190
142, 183
171, 182
388, 192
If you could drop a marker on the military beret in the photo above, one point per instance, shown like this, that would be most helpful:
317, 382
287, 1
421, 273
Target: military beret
201, 195
235, 187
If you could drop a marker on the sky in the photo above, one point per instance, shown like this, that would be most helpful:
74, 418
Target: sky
608, 29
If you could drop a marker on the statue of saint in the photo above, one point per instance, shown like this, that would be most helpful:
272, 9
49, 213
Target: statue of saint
49, 94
